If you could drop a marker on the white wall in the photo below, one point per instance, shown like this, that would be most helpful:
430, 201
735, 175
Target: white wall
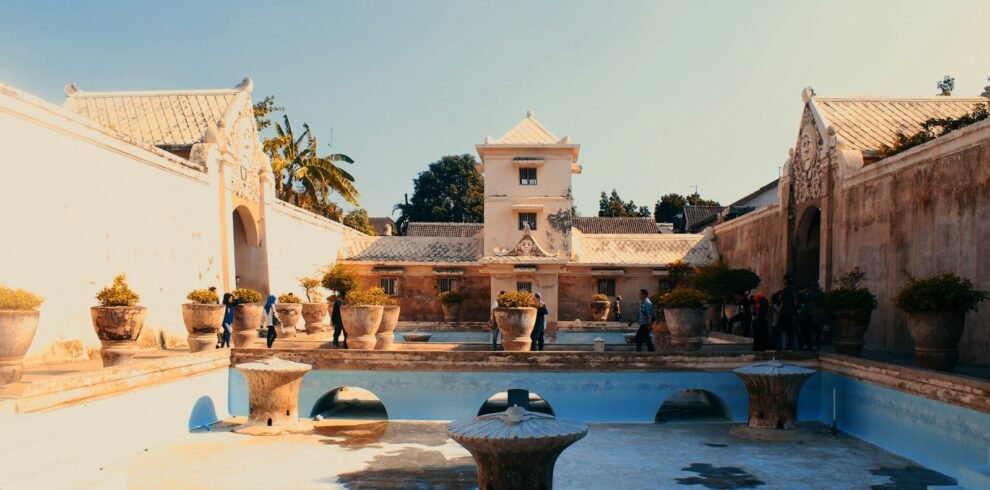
300, 244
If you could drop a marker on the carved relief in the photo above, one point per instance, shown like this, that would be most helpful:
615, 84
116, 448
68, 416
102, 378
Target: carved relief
243, 149
808, 162
527, 247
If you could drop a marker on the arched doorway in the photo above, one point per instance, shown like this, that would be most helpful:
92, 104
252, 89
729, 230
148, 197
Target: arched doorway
250, 262
693, 405
807, 246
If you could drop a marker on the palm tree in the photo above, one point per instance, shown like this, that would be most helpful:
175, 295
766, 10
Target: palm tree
303, 177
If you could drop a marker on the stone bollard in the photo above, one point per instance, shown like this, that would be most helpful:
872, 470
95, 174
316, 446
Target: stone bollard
599, 344
273, 393
773, 393
515, 449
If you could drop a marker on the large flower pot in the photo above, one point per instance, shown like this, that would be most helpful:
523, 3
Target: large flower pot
289, 314
848, 328
451, 312
687, 327
202, 321
361, 324
515, 324
936, 337
713, 317
661, 335
118, 328
599, 310
17, 329
386, 331
314, 314
247, 321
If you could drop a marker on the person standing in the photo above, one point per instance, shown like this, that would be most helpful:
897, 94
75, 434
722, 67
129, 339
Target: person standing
761, 323
618, 308
337, 321
493, 324
271, 320
229, 303
541, 324
788, 314
644, 317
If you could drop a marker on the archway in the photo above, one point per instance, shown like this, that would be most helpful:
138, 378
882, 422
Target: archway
694, 405
502, 400
807, 247
249, 256
349, 402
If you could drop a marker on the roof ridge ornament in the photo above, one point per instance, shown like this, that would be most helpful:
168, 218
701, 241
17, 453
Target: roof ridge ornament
807, 94
246, 85
70, 88
530, 114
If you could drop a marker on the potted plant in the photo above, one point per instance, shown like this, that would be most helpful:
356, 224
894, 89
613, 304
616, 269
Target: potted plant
203, 316
362, 314
600, 307
850, 307
684, 312
738, 283
118, 322
18, 322
516, 317
713, 281
451, 301
314, 311
247, 316
339, 279
386, 330
289, 308
936, 309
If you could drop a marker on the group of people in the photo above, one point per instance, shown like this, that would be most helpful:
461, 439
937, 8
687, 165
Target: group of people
539, 329
788, 320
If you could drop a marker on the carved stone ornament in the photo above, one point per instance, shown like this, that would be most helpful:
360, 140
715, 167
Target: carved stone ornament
527, 247
807, 164
243, 147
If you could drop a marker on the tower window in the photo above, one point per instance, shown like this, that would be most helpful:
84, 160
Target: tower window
527, 218
527, 176
445, 285
390, 285
524, 286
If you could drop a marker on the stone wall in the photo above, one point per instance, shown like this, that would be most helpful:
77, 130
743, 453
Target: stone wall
756, 241
576, 291
417, 294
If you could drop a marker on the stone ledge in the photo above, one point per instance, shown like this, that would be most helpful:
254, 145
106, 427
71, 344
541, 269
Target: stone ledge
488, 361
93, 384
948, 388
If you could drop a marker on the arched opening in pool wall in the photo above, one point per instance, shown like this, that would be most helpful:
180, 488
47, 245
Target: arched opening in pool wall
693, 405
502, 400
349, 402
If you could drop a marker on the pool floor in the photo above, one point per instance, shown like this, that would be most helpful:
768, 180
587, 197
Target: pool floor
418, 455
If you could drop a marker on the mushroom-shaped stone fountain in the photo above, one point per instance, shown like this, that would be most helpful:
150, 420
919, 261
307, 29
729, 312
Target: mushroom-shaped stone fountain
773, 389
273, 393
516, 449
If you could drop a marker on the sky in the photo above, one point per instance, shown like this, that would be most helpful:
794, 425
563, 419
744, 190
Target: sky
662, 96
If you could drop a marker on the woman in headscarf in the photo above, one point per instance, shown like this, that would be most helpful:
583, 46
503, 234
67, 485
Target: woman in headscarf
271, 320
228, 319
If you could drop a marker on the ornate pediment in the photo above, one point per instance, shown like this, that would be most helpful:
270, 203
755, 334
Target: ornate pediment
808, 161
526, 247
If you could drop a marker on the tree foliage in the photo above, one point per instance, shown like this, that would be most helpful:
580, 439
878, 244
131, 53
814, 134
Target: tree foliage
933, 128
450, 190
946, 86
670, 205
358, 219
613, 206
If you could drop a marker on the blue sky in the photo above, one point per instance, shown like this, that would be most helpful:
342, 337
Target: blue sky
661, 95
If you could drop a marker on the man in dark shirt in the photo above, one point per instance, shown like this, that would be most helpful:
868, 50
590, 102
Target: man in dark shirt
788, 314
338, 323
645, 318
541, 322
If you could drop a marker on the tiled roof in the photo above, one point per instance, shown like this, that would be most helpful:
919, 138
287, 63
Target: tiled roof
528, 132
163, 119
411, 249
449, 230
695, 216
657, 249
600, 225
867, 122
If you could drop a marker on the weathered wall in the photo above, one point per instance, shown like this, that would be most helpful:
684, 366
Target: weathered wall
300, 244
921, 213
418, 291
576, 291
756, 241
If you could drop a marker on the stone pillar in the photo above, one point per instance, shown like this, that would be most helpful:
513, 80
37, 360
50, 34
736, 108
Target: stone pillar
273, 392
516, 449
773, 393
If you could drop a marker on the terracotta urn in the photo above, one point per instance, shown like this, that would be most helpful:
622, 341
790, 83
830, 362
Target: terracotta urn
687, 327
515, 324
661, 335
289, 314
314, 314
17, 329
599, 310
386, 331
713, 317
118, 328
451, 312
936, 337
848, 328
247, 321
361, 323
202, 321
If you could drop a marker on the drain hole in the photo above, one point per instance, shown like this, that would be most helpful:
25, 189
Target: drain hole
269, 422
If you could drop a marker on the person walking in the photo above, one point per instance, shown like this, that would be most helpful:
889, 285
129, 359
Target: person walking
229, 303
541, 324
644, 317
493, 324
337, 321
617, 306
271, 320
761, 323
